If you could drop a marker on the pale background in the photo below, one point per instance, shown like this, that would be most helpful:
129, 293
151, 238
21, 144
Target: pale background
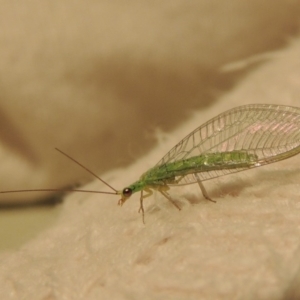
116, 85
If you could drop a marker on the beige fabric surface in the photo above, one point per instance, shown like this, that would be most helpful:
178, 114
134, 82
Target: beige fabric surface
116, 85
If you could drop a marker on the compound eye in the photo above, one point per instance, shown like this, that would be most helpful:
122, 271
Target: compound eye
127, 192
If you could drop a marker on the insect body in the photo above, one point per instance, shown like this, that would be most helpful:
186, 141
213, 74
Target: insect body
239, 139
161, 176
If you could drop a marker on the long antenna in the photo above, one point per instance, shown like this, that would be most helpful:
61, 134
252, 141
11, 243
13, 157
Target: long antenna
82, 166
68, 190
56, 190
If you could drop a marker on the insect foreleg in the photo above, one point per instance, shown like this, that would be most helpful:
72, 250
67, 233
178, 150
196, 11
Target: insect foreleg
203, 190
141, 209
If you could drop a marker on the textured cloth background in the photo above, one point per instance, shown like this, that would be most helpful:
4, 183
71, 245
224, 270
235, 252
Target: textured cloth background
108, 81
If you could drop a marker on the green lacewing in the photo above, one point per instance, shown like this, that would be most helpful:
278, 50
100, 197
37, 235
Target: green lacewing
239, 139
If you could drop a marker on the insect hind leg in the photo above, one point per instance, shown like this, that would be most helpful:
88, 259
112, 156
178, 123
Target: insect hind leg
203, 190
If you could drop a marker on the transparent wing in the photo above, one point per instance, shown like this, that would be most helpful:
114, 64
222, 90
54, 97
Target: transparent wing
270, 132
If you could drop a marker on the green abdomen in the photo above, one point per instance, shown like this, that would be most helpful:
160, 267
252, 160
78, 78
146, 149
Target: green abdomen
202, 163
